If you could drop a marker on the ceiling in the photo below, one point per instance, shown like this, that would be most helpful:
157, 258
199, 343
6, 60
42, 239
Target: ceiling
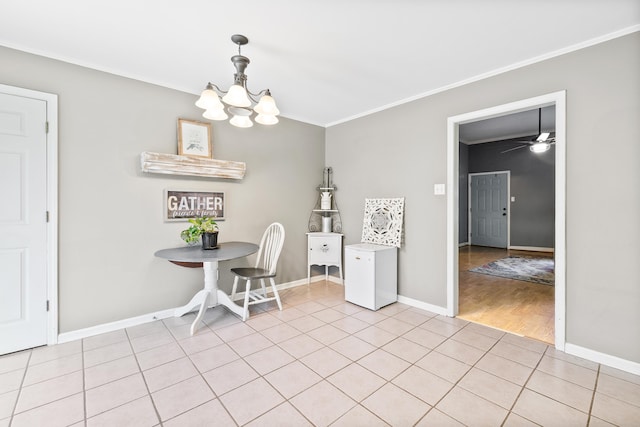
523, 125
326, 61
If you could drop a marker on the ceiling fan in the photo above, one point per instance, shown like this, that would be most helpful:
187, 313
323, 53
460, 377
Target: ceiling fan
540, 144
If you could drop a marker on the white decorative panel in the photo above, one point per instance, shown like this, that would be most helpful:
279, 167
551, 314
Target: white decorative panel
12, 285
383, 221
11, 188
12, 123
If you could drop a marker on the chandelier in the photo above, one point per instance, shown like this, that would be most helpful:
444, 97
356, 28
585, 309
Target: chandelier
238, 101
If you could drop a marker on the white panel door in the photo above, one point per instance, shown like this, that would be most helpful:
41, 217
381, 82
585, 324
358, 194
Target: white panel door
23, 224
489, 203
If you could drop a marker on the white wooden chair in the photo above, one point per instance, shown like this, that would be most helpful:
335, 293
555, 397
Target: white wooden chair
266, 262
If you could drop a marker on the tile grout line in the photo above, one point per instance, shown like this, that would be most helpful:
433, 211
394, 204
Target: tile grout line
216, 396
329, 305
593, 396
524, 386
144, 379
15, 404
296, 359
465, 374
351, 362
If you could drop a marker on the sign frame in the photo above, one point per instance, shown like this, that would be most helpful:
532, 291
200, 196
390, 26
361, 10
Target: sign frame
182, 205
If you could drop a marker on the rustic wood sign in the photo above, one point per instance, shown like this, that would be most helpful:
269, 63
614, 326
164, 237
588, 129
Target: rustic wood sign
182, 205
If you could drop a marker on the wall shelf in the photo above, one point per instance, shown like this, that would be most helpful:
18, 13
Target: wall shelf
172, 164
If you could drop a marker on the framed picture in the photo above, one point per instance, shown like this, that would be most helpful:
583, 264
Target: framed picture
194, 139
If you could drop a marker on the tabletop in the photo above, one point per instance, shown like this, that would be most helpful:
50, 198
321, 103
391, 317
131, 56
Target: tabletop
225, 251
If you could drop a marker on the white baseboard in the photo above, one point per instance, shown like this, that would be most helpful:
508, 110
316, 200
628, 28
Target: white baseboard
605, 359
585, 353
531, 249
163, 314
422, 305
460, 245
114, 326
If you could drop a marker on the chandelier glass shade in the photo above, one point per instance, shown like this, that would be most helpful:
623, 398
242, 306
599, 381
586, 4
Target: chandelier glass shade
238, 101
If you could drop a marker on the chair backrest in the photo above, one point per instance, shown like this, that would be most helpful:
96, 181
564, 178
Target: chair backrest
270, 247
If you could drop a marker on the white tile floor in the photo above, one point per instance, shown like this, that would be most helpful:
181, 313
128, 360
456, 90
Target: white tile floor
319, 362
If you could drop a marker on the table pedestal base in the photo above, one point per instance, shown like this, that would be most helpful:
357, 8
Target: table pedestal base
210, 296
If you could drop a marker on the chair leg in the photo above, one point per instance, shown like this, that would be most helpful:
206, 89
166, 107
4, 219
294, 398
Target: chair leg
275, 293
233, 290
264, 288
245, 312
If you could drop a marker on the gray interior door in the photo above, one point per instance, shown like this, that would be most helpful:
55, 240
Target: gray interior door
488, 209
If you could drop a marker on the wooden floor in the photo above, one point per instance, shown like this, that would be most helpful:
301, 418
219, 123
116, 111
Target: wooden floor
521, 307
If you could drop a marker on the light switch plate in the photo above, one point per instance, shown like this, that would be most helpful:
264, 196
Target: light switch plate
438, 189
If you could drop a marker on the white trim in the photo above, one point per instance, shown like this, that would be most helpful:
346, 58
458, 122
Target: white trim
162, 314
603, 358
319, 277
492, 73
559, 99
508, 172
463, 244
51, 101
531, 249
423, 305
114, 326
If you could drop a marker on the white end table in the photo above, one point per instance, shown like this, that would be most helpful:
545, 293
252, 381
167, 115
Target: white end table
324, 249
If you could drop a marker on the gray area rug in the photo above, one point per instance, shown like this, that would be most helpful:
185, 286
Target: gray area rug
528, 269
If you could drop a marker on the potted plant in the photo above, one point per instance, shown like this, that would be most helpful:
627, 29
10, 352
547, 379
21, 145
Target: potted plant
205, 227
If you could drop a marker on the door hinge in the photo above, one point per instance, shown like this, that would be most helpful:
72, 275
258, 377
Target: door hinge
46, 127
47, 305
47, 216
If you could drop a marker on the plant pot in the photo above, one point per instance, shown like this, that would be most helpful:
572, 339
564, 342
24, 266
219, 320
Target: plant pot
210, 240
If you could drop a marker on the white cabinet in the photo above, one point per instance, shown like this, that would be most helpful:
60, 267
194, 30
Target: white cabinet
371, 279
324, 249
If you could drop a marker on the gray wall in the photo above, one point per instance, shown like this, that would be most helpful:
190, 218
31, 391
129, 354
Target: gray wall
111, 213
402, 151
532, 184
463, 193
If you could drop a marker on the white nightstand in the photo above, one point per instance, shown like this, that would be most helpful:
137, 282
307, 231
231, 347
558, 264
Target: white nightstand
324, 249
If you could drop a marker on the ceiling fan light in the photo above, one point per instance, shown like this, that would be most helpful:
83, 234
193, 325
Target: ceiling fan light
241, 121
216, 114
540, 147
237, 96
266, 119
267, 106
543, 137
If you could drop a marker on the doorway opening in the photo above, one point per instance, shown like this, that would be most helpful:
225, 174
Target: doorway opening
453, 217
499, 286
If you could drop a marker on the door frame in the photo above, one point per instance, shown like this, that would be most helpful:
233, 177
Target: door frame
51, 101
508, 203
453, 168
